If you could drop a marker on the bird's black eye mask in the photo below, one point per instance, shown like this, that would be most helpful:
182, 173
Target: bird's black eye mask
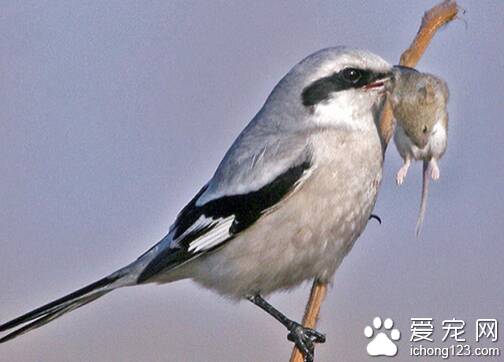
347, 78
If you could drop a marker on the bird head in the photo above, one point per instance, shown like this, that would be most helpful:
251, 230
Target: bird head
339, 87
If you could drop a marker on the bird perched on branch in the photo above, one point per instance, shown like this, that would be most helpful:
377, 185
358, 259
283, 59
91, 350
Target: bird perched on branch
285, 205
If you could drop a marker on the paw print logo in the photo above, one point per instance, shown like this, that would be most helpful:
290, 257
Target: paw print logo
382, 343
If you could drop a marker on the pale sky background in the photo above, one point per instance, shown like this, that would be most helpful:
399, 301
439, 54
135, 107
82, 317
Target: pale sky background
113, 114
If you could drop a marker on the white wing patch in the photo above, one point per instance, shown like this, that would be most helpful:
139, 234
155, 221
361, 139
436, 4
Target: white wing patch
213, 237
220, 233
202, 222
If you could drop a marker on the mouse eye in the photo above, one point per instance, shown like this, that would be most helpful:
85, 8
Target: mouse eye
352, 75
425, 129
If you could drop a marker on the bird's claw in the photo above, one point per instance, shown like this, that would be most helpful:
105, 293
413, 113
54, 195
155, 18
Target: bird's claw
376, 217
304, 339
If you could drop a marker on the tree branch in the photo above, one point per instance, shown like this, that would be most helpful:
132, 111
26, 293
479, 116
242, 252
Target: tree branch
312, 310
432, 20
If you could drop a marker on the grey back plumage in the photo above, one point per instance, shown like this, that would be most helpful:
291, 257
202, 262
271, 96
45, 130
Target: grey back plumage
276, 137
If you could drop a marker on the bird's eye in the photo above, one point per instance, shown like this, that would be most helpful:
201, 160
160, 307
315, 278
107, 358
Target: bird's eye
352, 75
425, 129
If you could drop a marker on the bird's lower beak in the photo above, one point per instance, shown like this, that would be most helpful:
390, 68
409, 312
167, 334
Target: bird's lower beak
380, 82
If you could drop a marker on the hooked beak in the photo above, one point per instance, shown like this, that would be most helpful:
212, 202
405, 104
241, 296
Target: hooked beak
403, 69
388, 80
380, 81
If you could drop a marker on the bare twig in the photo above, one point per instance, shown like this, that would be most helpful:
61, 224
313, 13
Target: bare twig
432, 20
312, 310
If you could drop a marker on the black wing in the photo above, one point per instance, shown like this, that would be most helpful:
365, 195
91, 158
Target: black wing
203, 228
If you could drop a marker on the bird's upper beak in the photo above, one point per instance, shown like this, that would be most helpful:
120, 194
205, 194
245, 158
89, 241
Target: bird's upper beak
403, 69
380, 81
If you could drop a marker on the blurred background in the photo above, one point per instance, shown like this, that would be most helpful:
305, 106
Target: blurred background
113, 114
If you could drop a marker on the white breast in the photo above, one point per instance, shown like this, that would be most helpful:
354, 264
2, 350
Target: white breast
308, 235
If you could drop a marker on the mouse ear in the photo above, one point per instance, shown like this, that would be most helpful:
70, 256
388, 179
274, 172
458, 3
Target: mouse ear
428, 93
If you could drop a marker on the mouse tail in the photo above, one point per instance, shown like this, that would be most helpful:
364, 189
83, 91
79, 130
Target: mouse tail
423, 201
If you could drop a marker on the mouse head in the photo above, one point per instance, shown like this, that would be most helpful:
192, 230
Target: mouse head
423, 119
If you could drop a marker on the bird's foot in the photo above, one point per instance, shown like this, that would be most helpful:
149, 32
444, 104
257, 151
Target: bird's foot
376, 217
304, 339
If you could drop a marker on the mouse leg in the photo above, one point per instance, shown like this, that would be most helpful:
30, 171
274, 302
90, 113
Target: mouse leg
434, 169
403, 171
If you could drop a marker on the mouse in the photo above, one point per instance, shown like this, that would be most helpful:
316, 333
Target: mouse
419, 103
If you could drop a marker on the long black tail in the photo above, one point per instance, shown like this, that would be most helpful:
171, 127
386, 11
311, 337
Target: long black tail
42, 315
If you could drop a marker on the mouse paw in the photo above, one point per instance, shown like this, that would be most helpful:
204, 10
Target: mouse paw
401, 175
434, 172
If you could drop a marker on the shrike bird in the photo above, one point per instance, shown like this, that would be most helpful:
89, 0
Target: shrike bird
285, 205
